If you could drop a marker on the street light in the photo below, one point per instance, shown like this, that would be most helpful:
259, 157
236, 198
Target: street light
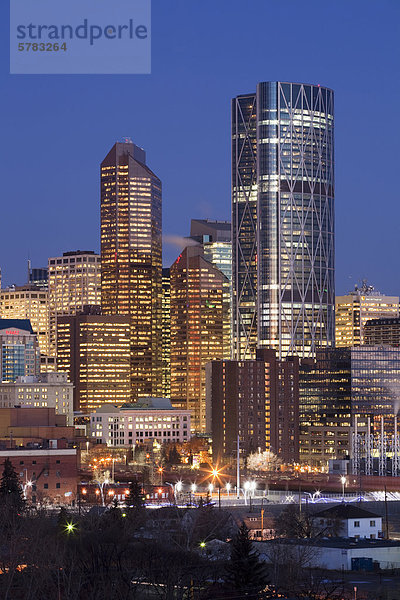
343, 481
194, 487
160, 470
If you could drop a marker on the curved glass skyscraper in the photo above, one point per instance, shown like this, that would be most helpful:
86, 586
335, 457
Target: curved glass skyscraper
283, 219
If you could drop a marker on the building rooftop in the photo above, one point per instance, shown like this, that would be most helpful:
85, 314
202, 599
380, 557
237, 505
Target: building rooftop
150, 403
141, 404
79, 252
23, 324
346, 511
345, 543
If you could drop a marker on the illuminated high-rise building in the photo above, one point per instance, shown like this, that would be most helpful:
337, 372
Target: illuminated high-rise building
283, 219
356, 308
19, 350
38, 276
199, 329
215, 237
28, 302
131, 250
74, 282
95, 352
166, 333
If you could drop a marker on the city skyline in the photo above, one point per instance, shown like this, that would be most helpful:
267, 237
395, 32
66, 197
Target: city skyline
360, 70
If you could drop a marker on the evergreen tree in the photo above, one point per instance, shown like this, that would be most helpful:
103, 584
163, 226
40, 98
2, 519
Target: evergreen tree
135, 498
62, 519
174, 457
245, 572
11, 495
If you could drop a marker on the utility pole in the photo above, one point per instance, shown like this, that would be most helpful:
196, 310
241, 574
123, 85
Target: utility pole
300, 500
238, 468
386, 516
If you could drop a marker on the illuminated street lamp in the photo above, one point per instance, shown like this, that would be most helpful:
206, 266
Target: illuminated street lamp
343, 481
160, 470
70, 527
194, 487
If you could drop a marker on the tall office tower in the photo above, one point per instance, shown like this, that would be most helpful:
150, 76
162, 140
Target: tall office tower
199, 329
340, 386
19, 350
166, 333
74, 282
95, 352
257, 400
131, 250
215, 239
356, 308
28, 302
283, 219
215, 236
38, 276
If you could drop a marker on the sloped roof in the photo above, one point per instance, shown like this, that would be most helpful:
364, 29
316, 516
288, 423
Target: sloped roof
23, 324
346, 511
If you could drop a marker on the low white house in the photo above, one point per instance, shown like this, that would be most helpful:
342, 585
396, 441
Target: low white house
352, 521
333, 553
147, 419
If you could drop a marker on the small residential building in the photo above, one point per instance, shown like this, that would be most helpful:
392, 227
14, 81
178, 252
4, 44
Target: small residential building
47, 475
52, 390
148, 419
261, 525
353, 521
19, 350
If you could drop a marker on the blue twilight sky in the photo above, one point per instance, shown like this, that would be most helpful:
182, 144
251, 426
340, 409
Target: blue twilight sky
55, 130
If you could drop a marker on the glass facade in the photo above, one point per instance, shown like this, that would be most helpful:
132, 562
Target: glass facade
199, 329
283, 219
19, 348
166, 332
131, 251
220, 255
340, 385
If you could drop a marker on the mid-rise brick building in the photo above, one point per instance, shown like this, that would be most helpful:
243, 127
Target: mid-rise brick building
256, 400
